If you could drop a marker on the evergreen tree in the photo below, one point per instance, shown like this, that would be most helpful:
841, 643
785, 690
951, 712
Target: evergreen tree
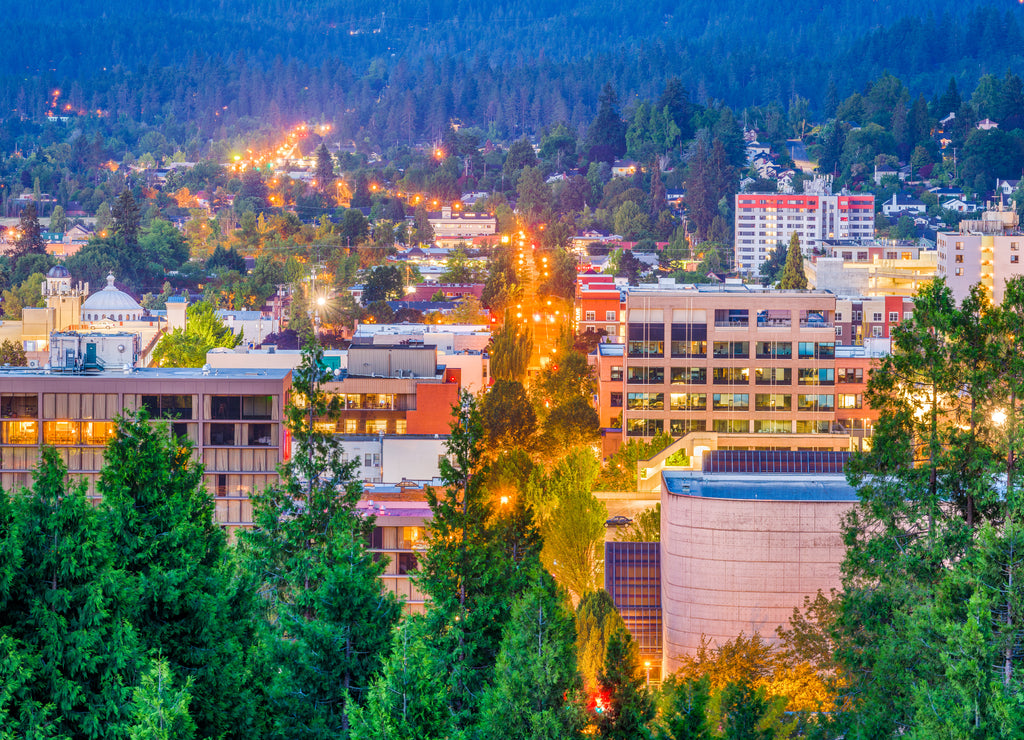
127, 218
606, 137
683, 707
537, 689
407, 701
323, 171
159, 710
627, 703
477, 564
58, 220
30, 234
596, 620
188, 604
771, 269
66, 619
328, 623
793, 276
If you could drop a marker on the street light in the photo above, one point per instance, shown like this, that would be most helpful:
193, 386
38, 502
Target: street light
647, 667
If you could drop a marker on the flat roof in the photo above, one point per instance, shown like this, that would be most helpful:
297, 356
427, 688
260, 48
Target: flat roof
154, 373
760, 486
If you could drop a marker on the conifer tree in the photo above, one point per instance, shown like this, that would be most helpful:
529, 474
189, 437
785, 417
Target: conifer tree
537, 690
159, 710
683, 710
323, 171
327, 621
407, 701
477, 563
627, 703
596, 620
793, 276
189, 604
66, 626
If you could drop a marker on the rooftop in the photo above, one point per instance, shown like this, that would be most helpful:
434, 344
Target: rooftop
760, 486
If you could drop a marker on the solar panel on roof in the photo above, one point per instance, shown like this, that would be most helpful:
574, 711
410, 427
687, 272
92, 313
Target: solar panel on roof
774, 461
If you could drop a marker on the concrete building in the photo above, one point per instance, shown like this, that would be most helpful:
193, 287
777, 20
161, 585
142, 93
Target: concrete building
451, 227
986, 250
764, 220
739, 551
233, 417
728, 358
871, 269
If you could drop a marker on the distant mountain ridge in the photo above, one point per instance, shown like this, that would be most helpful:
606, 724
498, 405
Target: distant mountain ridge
411, 66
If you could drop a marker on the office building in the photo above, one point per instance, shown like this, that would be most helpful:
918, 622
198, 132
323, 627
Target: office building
732, 358
234, 418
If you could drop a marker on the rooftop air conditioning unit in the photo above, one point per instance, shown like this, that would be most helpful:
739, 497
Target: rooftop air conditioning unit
33, 363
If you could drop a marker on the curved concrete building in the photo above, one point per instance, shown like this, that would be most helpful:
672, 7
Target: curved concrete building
740, 551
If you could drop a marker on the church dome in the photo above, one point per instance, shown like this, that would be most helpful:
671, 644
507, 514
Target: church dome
111, 304
58, 271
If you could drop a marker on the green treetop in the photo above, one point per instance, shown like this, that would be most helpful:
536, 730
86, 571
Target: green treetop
326, 621
188, 347
793, 276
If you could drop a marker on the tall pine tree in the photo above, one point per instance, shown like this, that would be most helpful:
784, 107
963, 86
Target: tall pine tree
189, 605
65, 624
327, 620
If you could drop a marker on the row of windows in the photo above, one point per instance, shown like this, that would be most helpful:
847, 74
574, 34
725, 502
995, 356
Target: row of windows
608, 316
680, 427
739, 401
733, 350
740, 375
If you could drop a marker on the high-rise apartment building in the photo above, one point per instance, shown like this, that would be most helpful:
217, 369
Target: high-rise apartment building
764, 220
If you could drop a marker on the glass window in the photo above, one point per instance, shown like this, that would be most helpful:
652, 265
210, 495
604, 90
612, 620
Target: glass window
730, 375
257, 407
655, 401
681, 427
616, 372
225, 407
643, 427
688, 401
61, 432
590, 316
689, 340
98, 432
773, 375
850, 400
615, 400
400, 426
16, 406
222, 434
773, 402
815, 376
689, 375
406, 563
730, 401
644, 375
260, 434
732, 317
726, 350
812, 427
770, 350
815, 402
351, 426
646, 340
773, 426
731, 426
20, 432
168, 406
376, 426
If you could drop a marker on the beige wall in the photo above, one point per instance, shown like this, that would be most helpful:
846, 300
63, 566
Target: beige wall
741, 565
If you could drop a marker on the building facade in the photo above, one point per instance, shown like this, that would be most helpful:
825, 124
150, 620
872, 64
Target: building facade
764, 220
234, 419
986, 250
740, 551
732, 359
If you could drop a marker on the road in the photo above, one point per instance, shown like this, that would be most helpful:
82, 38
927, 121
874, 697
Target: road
626, 506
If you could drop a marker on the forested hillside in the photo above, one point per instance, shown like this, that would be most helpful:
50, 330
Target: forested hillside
397, 71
